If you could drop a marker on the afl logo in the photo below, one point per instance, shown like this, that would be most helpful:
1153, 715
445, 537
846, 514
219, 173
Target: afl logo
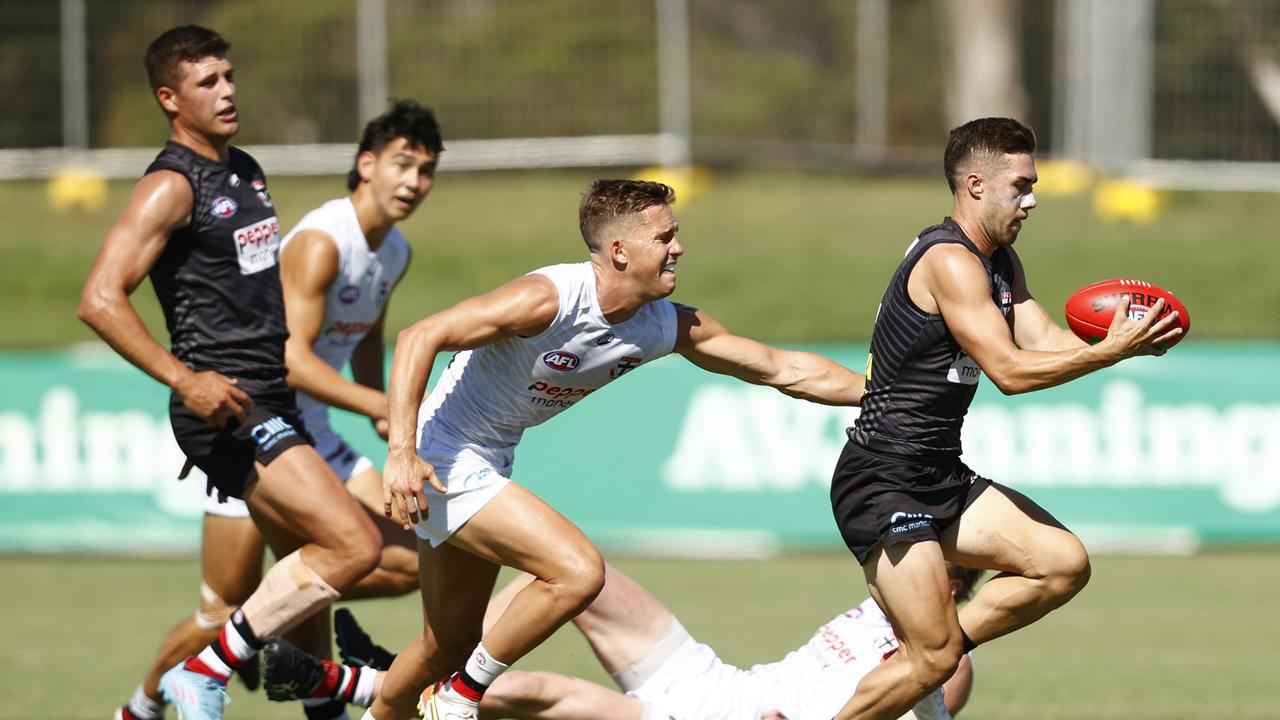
349, 294
223, 207
560, 360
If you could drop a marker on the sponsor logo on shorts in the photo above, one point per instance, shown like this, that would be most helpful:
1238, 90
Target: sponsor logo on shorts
561, 360
477, 476
913, 521
269, 433
223, 207
348, 294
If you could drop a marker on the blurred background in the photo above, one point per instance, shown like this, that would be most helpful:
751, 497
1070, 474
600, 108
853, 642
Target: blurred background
805, 141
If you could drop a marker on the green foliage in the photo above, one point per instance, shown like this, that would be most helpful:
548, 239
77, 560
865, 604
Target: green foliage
783, 257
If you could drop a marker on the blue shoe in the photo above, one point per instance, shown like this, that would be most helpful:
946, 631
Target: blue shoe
194, 695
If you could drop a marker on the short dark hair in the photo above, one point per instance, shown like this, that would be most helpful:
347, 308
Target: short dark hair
969, 580
406, 119
187, 43
984, 139
610, 199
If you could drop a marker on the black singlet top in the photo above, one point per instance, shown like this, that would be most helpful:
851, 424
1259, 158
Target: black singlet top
217, 279
919, 381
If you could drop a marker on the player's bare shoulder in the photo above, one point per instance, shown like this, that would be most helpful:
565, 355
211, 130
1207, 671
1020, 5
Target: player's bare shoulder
161, 201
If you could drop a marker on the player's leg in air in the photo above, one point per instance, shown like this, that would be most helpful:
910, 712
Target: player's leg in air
325, 543
231, 565
630, 631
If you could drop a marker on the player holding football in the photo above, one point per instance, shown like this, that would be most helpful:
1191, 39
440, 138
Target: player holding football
338, 267
528, 351
958, 306
201, 223
662, 671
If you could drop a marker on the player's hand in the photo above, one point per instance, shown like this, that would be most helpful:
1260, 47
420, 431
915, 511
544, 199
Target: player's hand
382, 426
773, 715
404, 478
214, 397
1143, 336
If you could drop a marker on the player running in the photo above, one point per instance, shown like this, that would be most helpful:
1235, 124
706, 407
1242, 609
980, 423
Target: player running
338, 267
529, 350
957, 306
202, 225
661, 670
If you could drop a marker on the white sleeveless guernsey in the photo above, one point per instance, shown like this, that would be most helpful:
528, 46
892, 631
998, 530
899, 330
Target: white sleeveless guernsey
487, 397
356, 297
811, 683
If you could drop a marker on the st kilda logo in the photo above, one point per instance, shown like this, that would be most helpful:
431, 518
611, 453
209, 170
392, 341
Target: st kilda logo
561, 360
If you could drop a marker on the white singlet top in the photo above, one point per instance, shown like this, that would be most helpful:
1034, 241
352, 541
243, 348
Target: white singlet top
810, 683
486, 397
358, 293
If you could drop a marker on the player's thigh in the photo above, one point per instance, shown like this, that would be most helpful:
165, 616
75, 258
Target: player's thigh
624, 622
231, 557
909, 582
518, 529
455, 586
366, 487
1005, 530
301, 493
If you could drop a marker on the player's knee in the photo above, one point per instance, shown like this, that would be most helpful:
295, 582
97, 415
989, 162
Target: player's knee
582, 580
400, 566
932, 665
1070, 573
361, 552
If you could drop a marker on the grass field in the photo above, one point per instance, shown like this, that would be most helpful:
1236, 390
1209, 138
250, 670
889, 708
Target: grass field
1185, 638
786, 257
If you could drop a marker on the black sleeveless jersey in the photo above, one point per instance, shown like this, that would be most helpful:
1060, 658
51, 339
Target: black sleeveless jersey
217, 278
919, 381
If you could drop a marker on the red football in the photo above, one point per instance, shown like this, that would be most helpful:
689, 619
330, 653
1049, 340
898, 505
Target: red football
1090, 309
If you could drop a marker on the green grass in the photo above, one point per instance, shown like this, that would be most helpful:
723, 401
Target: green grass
1171, 638
780, 256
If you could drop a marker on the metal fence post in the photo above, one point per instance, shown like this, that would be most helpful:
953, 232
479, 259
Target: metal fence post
75, 76
371, 58
1106, 80
674, 111
870, 135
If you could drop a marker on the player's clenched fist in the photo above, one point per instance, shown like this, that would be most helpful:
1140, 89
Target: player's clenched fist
404, 478
214, 396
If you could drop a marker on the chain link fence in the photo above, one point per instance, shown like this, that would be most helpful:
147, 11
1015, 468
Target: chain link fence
1182, 91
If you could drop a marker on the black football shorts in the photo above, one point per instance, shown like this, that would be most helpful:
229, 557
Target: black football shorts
227, 454
884, 499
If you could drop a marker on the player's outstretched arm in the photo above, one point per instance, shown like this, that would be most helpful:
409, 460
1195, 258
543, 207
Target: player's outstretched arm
707, 344
953, 278
308, 266
523, 307
160, 204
